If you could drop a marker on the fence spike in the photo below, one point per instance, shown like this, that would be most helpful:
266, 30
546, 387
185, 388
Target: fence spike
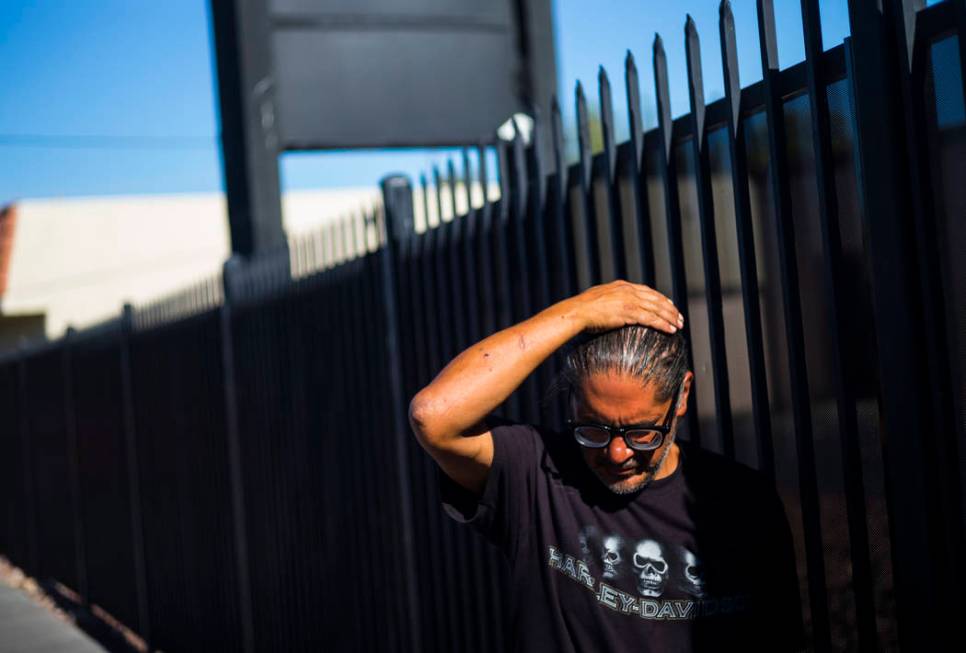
314, 251
378, 225
557, 135
451, 172
588, 230
907, 20
484, 175
519, 179
334, 242
634, 118
535, 159
424, 187
350, 224
340, 241
812, 28
467, 180
310, 252
359, 223
344, 234
729, 61
692, 47
380, 231
662, 94
583, 135
369, 221
502, 160
767, 36
614, 213
437, 181
295, 256
635, 121
306, 242
607, 120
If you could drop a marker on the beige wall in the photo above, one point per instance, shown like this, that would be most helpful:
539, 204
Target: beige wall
77, 260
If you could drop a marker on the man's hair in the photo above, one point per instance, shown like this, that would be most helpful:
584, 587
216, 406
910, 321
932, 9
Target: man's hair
643, 353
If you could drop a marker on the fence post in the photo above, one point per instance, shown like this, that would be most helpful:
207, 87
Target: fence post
745, 240
709, 240
31, 557
134, 475
397, 197
73, 460
667, 167
230, 272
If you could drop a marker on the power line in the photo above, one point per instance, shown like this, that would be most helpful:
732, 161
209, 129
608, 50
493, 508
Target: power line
108, 142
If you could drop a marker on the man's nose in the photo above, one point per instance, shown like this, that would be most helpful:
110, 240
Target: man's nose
617, 452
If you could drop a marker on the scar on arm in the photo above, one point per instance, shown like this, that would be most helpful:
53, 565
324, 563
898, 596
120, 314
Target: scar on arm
522, 342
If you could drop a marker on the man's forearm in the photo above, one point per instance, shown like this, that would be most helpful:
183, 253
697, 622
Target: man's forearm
481, 377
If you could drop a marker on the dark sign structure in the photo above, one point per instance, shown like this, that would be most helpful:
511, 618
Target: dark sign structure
336, 74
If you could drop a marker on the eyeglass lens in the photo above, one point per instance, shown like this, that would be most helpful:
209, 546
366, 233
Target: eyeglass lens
596, 435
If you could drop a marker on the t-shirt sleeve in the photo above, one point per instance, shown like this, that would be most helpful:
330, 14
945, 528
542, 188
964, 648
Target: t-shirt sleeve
503, 512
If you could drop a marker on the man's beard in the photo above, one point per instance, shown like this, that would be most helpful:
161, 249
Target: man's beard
651, 469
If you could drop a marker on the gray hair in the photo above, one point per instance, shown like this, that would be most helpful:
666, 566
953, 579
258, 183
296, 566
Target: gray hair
643, 353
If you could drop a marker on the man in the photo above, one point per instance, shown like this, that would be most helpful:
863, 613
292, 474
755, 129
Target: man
619, 538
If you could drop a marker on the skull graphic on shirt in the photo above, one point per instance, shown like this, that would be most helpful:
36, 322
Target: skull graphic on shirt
692, 574
652, 568
588, 539
607, 549
610, 556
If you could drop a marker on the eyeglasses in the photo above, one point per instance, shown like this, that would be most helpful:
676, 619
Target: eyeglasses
641, 437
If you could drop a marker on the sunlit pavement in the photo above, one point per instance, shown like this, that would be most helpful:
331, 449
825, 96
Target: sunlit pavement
26, 627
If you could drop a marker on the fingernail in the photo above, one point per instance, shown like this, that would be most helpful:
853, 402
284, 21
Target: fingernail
673, 329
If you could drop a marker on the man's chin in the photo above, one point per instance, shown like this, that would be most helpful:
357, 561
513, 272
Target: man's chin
627, 485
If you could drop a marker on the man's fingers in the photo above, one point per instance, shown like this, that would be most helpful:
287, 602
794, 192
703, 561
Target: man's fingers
659, 299
657, 319
668, 313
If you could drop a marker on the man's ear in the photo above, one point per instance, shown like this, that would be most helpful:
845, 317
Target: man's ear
685, 392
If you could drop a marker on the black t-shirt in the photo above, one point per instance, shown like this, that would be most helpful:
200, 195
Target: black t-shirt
702, 559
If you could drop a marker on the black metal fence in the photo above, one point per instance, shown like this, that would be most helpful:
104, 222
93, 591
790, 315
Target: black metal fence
232, 469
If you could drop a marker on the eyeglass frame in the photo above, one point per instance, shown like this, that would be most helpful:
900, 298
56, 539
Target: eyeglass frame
664, 428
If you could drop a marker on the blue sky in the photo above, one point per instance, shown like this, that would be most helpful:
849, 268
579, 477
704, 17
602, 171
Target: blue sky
119, 96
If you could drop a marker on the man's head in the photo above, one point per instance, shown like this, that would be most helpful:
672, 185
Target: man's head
627, 376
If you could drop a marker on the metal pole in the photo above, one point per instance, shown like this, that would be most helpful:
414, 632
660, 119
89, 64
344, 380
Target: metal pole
230, 273
672, 208
746, 244
134, 476
588, 225
73, 463
27, 461
638, 178
616, 219
397, 200
709, 241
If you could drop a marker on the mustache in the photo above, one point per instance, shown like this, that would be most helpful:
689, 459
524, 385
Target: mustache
640, 458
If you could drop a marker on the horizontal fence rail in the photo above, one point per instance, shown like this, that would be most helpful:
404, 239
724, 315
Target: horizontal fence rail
231, 468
